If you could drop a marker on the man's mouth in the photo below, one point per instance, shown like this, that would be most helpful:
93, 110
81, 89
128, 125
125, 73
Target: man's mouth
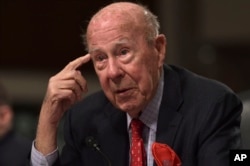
124, 92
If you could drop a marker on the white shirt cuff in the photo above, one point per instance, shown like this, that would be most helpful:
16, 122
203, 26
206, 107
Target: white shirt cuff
38, 159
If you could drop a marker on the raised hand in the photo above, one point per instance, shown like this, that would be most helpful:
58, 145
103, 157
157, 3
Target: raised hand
64, 89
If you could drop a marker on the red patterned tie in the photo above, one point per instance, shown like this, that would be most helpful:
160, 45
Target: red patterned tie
137, 151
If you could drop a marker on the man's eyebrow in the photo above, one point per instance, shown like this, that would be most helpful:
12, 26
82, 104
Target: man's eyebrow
93, 50
122, 41
115, 44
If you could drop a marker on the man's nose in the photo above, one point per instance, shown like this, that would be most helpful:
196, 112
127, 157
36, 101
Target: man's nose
115, 71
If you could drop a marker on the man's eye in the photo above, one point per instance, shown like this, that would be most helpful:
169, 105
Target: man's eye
100, 57
124, 51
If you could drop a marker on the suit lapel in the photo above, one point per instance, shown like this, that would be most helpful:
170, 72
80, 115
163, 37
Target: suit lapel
169, 117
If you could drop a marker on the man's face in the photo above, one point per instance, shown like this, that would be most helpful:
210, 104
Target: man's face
128, 66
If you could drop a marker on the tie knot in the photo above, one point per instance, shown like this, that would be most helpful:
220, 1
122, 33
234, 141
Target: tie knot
136, 126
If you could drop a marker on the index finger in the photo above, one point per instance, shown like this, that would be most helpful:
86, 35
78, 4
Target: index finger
73, 65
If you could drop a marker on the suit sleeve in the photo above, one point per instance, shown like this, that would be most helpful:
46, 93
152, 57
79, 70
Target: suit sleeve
220, 131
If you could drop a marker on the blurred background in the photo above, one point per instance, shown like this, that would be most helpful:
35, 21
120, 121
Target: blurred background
38, 38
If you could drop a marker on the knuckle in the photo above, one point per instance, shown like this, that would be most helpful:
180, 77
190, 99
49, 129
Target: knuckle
70, 63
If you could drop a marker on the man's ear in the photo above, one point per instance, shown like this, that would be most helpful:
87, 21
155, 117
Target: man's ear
160, 45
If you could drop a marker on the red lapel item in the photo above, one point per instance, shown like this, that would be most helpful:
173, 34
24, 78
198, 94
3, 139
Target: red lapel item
165, 155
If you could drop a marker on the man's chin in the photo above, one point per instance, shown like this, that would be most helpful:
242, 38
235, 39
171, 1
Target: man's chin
131, 109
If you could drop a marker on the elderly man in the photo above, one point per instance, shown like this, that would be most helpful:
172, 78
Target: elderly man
196, 119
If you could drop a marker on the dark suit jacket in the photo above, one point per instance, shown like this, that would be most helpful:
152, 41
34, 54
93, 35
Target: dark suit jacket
199, 118
14, 150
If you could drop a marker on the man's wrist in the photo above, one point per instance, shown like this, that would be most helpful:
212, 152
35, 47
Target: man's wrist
37, 158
